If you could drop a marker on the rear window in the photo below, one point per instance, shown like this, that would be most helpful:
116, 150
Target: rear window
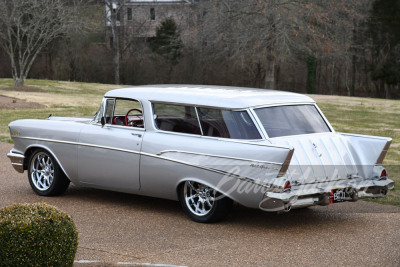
291, 120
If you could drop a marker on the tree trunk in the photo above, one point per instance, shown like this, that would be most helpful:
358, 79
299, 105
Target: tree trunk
387, 90
310, 75
332, 78
353, 76
269, 74
346, 78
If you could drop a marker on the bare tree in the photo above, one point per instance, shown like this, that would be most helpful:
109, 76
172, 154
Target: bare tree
260, 34
26, 27
113, 10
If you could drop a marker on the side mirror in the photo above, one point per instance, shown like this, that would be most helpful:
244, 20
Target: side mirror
103, 121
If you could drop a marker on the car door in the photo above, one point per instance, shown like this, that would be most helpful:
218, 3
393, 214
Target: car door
109, 155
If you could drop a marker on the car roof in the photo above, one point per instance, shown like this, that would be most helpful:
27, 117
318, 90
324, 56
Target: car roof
209, 95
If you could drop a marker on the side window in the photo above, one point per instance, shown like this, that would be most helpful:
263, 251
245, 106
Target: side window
227, 124
176, 118
127, 112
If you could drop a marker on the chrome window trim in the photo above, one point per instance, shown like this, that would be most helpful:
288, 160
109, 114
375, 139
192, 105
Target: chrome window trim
292, 104
120, 127
259, 125
171, 132
198, 119
325, 119
115, 101
283, 104
194, 105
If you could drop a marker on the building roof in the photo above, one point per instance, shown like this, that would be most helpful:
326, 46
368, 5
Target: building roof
208, 95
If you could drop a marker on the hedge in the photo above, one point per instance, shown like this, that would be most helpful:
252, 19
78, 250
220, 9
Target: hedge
36, 235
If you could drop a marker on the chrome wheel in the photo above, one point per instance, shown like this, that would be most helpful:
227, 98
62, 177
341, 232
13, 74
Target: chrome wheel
42, 171
199, 198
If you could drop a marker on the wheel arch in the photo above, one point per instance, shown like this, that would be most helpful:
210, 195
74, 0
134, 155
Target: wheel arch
32, 148
201, 181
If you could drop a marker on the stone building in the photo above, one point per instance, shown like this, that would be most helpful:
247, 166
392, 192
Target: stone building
140, 18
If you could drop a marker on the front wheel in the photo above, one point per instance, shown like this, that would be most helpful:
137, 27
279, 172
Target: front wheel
45, 175
202, 203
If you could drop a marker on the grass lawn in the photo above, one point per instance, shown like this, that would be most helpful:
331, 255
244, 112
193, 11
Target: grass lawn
346, 114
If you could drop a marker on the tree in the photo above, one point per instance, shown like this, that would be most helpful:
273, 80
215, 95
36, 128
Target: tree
113, 21
26, 27
167, 42
384, 28
261, 34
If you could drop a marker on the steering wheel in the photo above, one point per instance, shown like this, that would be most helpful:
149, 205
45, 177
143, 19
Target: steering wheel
129, 111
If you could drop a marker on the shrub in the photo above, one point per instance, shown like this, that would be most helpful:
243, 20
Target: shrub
36, 235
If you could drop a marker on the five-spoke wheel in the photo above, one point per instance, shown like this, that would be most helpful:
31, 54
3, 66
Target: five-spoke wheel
203, 203
45, 175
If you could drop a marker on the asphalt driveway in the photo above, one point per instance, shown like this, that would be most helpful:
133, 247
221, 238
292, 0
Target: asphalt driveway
115, 227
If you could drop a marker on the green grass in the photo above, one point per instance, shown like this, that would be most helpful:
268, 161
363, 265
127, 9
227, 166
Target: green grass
346, 114
67, 99
370, 117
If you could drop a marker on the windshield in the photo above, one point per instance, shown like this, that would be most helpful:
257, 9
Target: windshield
291, 120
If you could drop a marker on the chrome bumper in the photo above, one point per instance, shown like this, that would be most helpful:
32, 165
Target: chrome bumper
305, 197
17, 161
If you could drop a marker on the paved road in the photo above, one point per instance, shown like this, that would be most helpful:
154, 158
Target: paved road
116, 227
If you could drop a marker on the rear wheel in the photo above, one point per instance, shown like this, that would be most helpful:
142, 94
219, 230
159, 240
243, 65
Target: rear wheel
202, 203
45, 175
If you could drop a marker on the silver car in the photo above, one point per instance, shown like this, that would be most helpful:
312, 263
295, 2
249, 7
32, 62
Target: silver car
206, 146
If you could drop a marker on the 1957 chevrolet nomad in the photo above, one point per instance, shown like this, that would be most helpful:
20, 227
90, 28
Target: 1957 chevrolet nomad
205, 146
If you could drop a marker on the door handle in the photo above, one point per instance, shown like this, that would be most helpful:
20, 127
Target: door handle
138, 135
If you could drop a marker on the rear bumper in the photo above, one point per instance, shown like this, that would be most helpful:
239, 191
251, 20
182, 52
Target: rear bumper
17, 160
322, 195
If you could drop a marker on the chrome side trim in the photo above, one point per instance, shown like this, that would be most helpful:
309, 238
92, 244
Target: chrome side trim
247, 179
218, 156
17, 161
79, 144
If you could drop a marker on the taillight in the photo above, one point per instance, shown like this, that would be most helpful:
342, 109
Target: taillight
383, 175
287, 186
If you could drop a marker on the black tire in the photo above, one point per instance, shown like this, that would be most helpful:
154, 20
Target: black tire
45, 175
217, 208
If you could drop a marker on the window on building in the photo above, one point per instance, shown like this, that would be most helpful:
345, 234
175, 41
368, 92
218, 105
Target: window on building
129, 13
152, 14
118, 14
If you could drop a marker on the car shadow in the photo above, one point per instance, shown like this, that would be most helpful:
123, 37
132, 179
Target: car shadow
239, 216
